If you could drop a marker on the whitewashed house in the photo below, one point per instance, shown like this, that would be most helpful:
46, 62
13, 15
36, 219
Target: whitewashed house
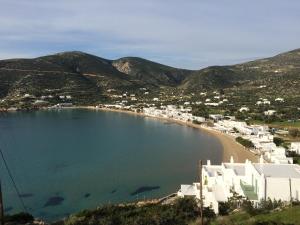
244, 109
279, 100
277, 155
295, 147
216, 117
255, 181
269, 112
211, 103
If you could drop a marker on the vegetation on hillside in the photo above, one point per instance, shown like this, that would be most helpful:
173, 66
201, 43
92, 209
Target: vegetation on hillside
92, 80
183, 211
236, 211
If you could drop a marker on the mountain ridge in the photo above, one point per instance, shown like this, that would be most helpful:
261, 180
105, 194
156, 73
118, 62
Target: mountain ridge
84, 75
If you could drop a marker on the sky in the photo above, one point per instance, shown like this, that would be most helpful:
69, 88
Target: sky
182, 33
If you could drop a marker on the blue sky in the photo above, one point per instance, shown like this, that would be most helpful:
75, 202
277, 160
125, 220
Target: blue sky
181, 33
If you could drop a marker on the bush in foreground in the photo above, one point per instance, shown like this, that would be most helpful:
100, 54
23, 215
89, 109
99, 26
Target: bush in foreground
183, 211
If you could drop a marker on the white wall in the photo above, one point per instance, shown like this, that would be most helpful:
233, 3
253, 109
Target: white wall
295, 183
278, 188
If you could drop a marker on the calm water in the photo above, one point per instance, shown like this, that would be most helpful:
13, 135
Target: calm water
65, 161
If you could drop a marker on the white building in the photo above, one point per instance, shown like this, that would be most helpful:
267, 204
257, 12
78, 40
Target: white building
279, 100
255, 181
263, 102
277, 155
269, 112
211, 103
172, 112
244, 109
295, 147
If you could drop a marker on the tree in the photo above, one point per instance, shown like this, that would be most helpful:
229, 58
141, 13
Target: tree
278, 141
200, 111
245, 142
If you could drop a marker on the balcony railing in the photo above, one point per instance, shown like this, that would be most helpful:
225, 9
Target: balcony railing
249, 191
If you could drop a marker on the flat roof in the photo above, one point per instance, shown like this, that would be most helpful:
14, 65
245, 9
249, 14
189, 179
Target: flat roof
278, 170
211, 170
188, 189
239, 169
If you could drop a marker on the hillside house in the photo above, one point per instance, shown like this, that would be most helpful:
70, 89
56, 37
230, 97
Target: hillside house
295, 147
255, 181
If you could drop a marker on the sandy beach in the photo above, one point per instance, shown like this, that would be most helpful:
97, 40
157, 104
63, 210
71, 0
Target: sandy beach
230, 146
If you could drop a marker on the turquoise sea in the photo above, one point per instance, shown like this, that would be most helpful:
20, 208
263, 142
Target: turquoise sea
69, 160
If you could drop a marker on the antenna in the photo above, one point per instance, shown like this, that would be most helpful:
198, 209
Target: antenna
13, 181
201, 198
1, 207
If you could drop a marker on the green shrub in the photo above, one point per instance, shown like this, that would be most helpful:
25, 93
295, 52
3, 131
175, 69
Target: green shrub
20, 218
278, 141
245, 142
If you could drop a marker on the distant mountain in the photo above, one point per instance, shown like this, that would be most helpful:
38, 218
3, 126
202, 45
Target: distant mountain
282, 70
86, 76
79, 74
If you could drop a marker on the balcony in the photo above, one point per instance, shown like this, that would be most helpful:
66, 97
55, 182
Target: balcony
249, 191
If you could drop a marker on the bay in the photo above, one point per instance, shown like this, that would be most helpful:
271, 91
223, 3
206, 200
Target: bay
69, 160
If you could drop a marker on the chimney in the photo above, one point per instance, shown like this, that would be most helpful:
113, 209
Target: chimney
208, 162
261, 160
231, 159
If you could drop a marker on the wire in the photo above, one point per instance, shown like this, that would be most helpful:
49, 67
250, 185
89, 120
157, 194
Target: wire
13, 180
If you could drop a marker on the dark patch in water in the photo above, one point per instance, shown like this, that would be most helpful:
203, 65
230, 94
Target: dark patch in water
26, 195
8, 209
144, 189
113, 191
59, 167
87, 195
54, 201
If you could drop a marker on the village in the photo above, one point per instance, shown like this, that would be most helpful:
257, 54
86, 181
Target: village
274, 176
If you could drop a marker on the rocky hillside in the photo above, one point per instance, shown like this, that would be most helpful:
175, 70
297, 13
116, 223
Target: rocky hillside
281, 70
151, 72
80, 74
88, 78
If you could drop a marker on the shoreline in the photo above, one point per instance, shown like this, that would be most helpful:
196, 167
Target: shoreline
229, 145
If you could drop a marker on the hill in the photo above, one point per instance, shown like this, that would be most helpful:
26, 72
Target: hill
151, 72
90, 79
82, 76
272, 71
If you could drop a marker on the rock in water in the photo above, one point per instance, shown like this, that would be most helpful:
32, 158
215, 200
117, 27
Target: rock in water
144, 189
54, 201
